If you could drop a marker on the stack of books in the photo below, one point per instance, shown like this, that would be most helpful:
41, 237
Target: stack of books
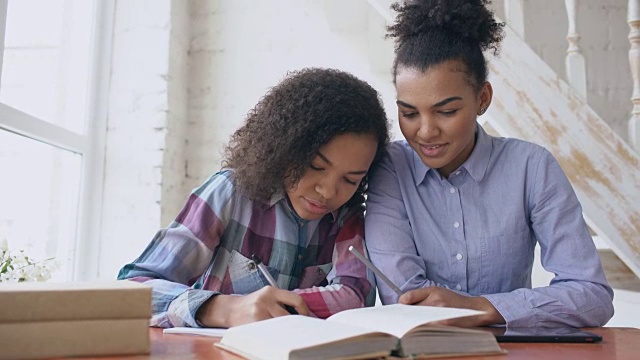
45, 320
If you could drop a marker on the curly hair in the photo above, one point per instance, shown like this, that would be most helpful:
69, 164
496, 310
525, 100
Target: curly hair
284, 131
429, 32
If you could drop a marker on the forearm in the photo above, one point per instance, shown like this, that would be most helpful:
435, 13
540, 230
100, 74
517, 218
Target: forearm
326, 301
174, 304
576, 304
213, 312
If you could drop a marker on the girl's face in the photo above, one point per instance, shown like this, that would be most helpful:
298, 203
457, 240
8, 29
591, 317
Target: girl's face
437, 111
334, 175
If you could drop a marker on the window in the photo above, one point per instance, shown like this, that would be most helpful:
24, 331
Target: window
52, 118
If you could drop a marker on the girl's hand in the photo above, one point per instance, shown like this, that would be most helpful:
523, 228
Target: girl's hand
437, 296
231, 310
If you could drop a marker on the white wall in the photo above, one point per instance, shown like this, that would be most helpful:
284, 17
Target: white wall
174, 169
241, 48
136, 132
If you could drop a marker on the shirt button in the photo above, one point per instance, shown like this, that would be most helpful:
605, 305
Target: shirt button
252, 266
299, 257
456, 224
452, 190
458, 287
458, 172
459, 256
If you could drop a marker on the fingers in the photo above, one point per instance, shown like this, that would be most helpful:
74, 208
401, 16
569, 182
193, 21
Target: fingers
414, 296
266, 303
277, 302
295, 301
467, 321
434, 296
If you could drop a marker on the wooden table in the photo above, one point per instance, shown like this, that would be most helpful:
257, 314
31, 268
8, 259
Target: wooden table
617, 343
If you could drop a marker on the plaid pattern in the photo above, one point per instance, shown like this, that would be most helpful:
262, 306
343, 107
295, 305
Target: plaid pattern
207, 250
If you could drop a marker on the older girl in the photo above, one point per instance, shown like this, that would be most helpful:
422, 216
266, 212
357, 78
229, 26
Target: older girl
454, 214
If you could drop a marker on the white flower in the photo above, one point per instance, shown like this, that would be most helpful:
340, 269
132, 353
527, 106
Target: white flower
4, 245
19, 267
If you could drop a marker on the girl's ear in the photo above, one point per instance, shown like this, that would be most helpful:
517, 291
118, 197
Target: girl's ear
484, 97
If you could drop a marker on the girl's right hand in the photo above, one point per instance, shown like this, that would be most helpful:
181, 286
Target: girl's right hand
231, 310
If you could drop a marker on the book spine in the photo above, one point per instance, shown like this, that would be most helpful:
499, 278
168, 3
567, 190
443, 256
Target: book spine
52, 339
94, 304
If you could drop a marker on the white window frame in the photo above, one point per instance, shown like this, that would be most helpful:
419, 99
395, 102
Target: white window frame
91, 146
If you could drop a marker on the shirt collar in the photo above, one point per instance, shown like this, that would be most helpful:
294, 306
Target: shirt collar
420, 172
476, 165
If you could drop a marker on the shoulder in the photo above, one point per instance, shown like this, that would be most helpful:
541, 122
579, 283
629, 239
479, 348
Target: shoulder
218, 188
398, 155
532, 163
399, 151
400, 167
222, 180
511, 150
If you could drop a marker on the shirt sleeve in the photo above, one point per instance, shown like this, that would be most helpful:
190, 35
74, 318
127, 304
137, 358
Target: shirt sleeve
389, 235
350, 282
579, 294
179, 255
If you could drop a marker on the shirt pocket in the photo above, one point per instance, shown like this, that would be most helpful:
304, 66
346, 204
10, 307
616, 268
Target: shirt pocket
315, 276
244, 276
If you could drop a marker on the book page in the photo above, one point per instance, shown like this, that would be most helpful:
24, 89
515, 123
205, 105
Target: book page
398, 319
215, 332
280, 336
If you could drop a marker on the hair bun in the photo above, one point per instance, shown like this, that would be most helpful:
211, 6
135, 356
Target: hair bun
467, 19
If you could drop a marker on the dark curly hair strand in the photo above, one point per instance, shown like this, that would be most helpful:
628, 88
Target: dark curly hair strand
430, 32
284, 131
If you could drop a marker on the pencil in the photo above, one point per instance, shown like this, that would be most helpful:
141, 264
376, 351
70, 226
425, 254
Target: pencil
375, 270
272, 282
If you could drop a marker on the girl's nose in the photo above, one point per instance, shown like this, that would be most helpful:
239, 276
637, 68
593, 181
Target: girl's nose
326, 189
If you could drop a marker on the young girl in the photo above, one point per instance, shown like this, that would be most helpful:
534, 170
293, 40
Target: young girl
291, 197
453, 214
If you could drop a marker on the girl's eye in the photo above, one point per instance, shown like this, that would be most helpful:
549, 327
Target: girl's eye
350, 182
409, 115
448, 112
313, 167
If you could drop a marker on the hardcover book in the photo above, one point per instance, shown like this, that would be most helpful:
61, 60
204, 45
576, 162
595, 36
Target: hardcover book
398, 330
50, 320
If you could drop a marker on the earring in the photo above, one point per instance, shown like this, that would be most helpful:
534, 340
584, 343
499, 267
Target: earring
482, 110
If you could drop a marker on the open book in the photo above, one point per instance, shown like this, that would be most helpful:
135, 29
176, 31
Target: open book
400, 330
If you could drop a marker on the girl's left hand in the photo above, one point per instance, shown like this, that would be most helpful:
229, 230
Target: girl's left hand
438, 296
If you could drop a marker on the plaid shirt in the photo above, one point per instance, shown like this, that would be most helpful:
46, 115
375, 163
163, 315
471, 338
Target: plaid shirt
207, 250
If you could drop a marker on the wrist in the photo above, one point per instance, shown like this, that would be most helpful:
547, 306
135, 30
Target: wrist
491, 316
214, 312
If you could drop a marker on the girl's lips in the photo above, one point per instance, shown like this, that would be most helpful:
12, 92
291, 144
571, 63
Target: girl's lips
433, 150
316, 207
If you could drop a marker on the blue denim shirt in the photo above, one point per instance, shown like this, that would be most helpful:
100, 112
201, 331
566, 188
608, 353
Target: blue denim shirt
475, 232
